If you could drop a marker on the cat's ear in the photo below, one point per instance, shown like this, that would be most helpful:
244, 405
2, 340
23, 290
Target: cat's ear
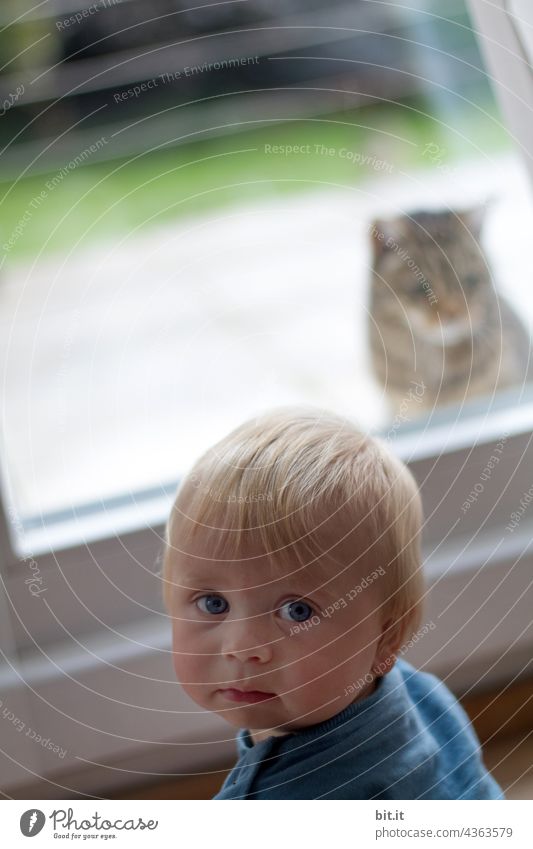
474, 218
383, 235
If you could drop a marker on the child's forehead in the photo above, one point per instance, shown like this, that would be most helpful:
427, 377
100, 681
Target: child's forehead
261, 574
217, 556
243, 572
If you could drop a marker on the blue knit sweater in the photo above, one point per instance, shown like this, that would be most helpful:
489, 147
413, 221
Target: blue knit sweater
410, 739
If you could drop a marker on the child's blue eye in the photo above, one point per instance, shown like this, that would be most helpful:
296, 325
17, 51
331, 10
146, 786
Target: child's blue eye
213, 604
298, 611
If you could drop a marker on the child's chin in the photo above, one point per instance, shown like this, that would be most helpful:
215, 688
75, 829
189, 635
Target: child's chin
250, 715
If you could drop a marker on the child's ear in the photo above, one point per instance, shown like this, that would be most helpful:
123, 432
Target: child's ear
387, 648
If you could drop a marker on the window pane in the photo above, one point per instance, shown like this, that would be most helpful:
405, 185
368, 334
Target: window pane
189, 203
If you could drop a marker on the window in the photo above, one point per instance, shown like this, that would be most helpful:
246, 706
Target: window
171, 258
188, 200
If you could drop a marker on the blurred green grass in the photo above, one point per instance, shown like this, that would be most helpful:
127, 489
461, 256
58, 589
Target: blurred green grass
103, 201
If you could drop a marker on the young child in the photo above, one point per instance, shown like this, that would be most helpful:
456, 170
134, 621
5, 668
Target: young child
293, 575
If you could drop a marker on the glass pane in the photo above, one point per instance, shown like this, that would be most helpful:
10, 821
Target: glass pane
200, 213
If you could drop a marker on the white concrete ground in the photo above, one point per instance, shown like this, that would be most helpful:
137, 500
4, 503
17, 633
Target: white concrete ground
121, 363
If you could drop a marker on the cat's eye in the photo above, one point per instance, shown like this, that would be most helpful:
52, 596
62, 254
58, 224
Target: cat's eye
212, 604
470, 281
297, 611
419, 288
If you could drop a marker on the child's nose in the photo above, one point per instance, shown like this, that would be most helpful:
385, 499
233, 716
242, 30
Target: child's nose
246, 641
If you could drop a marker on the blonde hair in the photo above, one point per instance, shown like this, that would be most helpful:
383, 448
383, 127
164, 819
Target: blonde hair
286, 481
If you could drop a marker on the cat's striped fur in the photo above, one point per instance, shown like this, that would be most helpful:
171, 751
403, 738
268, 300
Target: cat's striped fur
435, 316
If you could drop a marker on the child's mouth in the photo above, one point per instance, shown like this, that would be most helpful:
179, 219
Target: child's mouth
250, 696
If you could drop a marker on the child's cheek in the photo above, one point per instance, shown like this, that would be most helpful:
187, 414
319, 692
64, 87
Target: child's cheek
182, 661
319, 654
189, 650
189, 670
178, 663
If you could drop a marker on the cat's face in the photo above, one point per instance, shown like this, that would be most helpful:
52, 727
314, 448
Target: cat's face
429, 271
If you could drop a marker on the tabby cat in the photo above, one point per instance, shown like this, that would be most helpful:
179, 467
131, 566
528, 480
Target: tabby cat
436, 321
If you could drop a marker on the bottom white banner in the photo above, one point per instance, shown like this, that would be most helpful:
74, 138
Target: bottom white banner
237, 823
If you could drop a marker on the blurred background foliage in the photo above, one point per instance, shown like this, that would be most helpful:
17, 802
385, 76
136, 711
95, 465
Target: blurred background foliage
377, 78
